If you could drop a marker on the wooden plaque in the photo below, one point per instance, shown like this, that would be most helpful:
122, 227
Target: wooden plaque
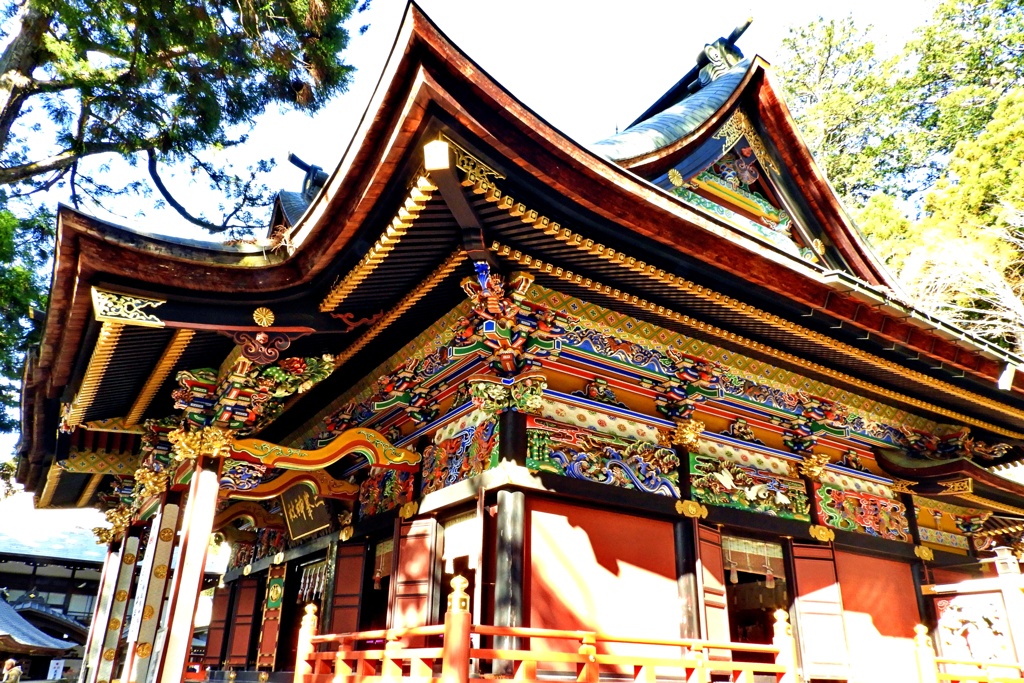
305, 512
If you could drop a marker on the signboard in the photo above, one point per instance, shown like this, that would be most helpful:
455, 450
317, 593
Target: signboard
56, 669
305, 512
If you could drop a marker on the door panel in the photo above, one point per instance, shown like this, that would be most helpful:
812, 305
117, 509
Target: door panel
415, 597
218, 628
348, 583
241, 622
715, 625
819, 621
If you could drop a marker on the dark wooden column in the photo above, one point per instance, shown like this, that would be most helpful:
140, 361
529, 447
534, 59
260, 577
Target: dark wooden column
908, 502
512, 437
686, 577
508, 582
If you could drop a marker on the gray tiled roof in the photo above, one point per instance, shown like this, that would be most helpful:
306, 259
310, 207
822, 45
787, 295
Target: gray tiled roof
679, 120
293, 205
13, 627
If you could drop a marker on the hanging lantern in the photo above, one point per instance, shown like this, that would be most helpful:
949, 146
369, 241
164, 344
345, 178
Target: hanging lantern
376, 580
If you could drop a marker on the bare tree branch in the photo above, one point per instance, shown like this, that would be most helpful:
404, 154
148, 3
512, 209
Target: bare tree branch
154, 174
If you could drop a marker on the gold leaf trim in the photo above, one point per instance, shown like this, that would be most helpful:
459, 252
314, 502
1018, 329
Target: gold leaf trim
965, 485
409, 509
924, 552
995, 505
691, 509
902, 485
263, 316
738, 126
122, 308
821, 533
475, 169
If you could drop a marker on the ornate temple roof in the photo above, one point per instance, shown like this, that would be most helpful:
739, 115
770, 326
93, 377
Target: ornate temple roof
771, 268
17, 636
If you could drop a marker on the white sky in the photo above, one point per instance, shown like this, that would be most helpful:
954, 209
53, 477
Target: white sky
586, 66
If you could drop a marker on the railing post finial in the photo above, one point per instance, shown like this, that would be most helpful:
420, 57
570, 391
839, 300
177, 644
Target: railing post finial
458, 599
457, 627
783, 640
924, 650
307, 629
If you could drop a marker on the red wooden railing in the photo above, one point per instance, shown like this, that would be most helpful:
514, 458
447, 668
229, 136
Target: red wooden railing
396, 663
355, 661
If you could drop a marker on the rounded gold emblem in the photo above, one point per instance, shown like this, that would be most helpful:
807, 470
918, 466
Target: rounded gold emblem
121, 595
675, 177
129, 559
166, 534
148, 612
276, 591
263, 316
144, 650
115, 624
160, 571
109, 654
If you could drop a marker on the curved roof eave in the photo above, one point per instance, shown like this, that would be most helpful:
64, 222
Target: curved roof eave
423, 66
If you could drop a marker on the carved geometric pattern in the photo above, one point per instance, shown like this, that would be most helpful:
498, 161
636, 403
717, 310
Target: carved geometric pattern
121, 308
738, 126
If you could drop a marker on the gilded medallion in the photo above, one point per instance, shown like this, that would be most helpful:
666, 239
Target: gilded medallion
276, 591
147, 612
262, 316
166, 534
109, 655
114, 624
121, 595
129, 558
160, 571
144, 650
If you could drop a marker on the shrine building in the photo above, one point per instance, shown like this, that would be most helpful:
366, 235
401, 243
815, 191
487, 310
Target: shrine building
653, 399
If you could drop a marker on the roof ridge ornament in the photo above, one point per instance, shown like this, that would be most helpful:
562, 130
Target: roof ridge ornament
718, 57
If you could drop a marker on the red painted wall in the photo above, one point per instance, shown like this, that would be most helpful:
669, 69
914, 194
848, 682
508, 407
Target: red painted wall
600, 571
880, 613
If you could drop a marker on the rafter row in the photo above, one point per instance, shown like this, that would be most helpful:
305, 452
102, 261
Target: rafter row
417, 200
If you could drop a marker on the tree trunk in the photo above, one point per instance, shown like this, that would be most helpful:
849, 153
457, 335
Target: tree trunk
21, 57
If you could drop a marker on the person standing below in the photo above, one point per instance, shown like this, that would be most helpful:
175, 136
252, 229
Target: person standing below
12, 672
